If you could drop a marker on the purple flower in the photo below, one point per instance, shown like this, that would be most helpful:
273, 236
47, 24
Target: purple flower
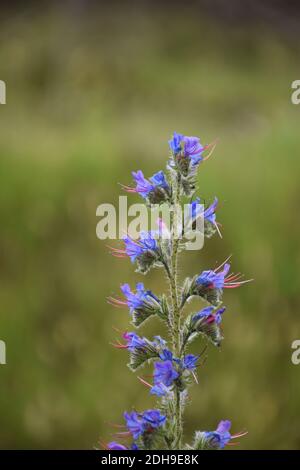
208, 314
160, 390
175, 143
210, 212
163, 377
208, 215
166, 355
143, 186
141, 423
190, 362
136, 248
210, 284
135, 300
165, 374
134, 341
218, 315
219, 438
141, 303
187, 147
207, 322
154, 418
115, 446
159, 179
193, 149
195, 209
145, 251
134, 423
213, 279
146, 244
155, 190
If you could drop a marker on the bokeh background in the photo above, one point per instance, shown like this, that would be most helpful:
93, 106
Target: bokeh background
94, 91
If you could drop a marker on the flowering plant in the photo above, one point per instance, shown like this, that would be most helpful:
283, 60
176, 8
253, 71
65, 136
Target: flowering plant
174, 369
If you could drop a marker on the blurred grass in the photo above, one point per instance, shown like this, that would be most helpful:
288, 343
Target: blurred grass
91, 98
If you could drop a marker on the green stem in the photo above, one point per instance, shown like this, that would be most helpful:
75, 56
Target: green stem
175, 310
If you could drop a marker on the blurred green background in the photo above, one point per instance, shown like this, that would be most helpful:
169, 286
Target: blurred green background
92, 94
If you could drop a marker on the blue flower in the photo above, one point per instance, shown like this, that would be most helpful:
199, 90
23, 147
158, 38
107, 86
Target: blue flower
154, 418
218, 315
142, 303
141, 423
146, 244
190, 362
219, 438
134, 341
159, 180
195, 209
175, 143
115, 446
160, 390
164, 373
134, 423
155, 190
207, 322
210, 212
208, 215
213, 279
135, 300
188, 147
193, 149
143, 186
145, 251
166, 355
210, 284
208, 314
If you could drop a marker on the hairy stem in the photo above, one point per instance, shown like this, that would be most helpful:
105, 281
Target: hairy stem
176, 339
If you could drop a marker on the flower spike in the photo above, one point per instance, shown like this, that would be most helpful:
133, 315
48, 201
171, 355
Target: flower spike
174, 368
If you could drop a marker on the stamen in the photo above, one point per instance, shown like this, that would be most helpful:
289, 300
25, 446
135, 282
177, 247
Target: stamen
221, 265
116, 302
212, 145
218, 230
128, 189
103, 444
233, 277
236, 284
119, 345
122, 435
239, 434
114, 425
195, 377
144, 382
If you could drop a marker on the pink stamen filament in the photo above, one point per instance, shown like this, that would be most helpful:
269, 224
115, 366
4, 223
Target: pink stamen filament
144, 382
239, 434
236, 284
116, 302
114, 425
221, 265
212, 145
119, 345
233, 277
122, 435
129, 189
218, 230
